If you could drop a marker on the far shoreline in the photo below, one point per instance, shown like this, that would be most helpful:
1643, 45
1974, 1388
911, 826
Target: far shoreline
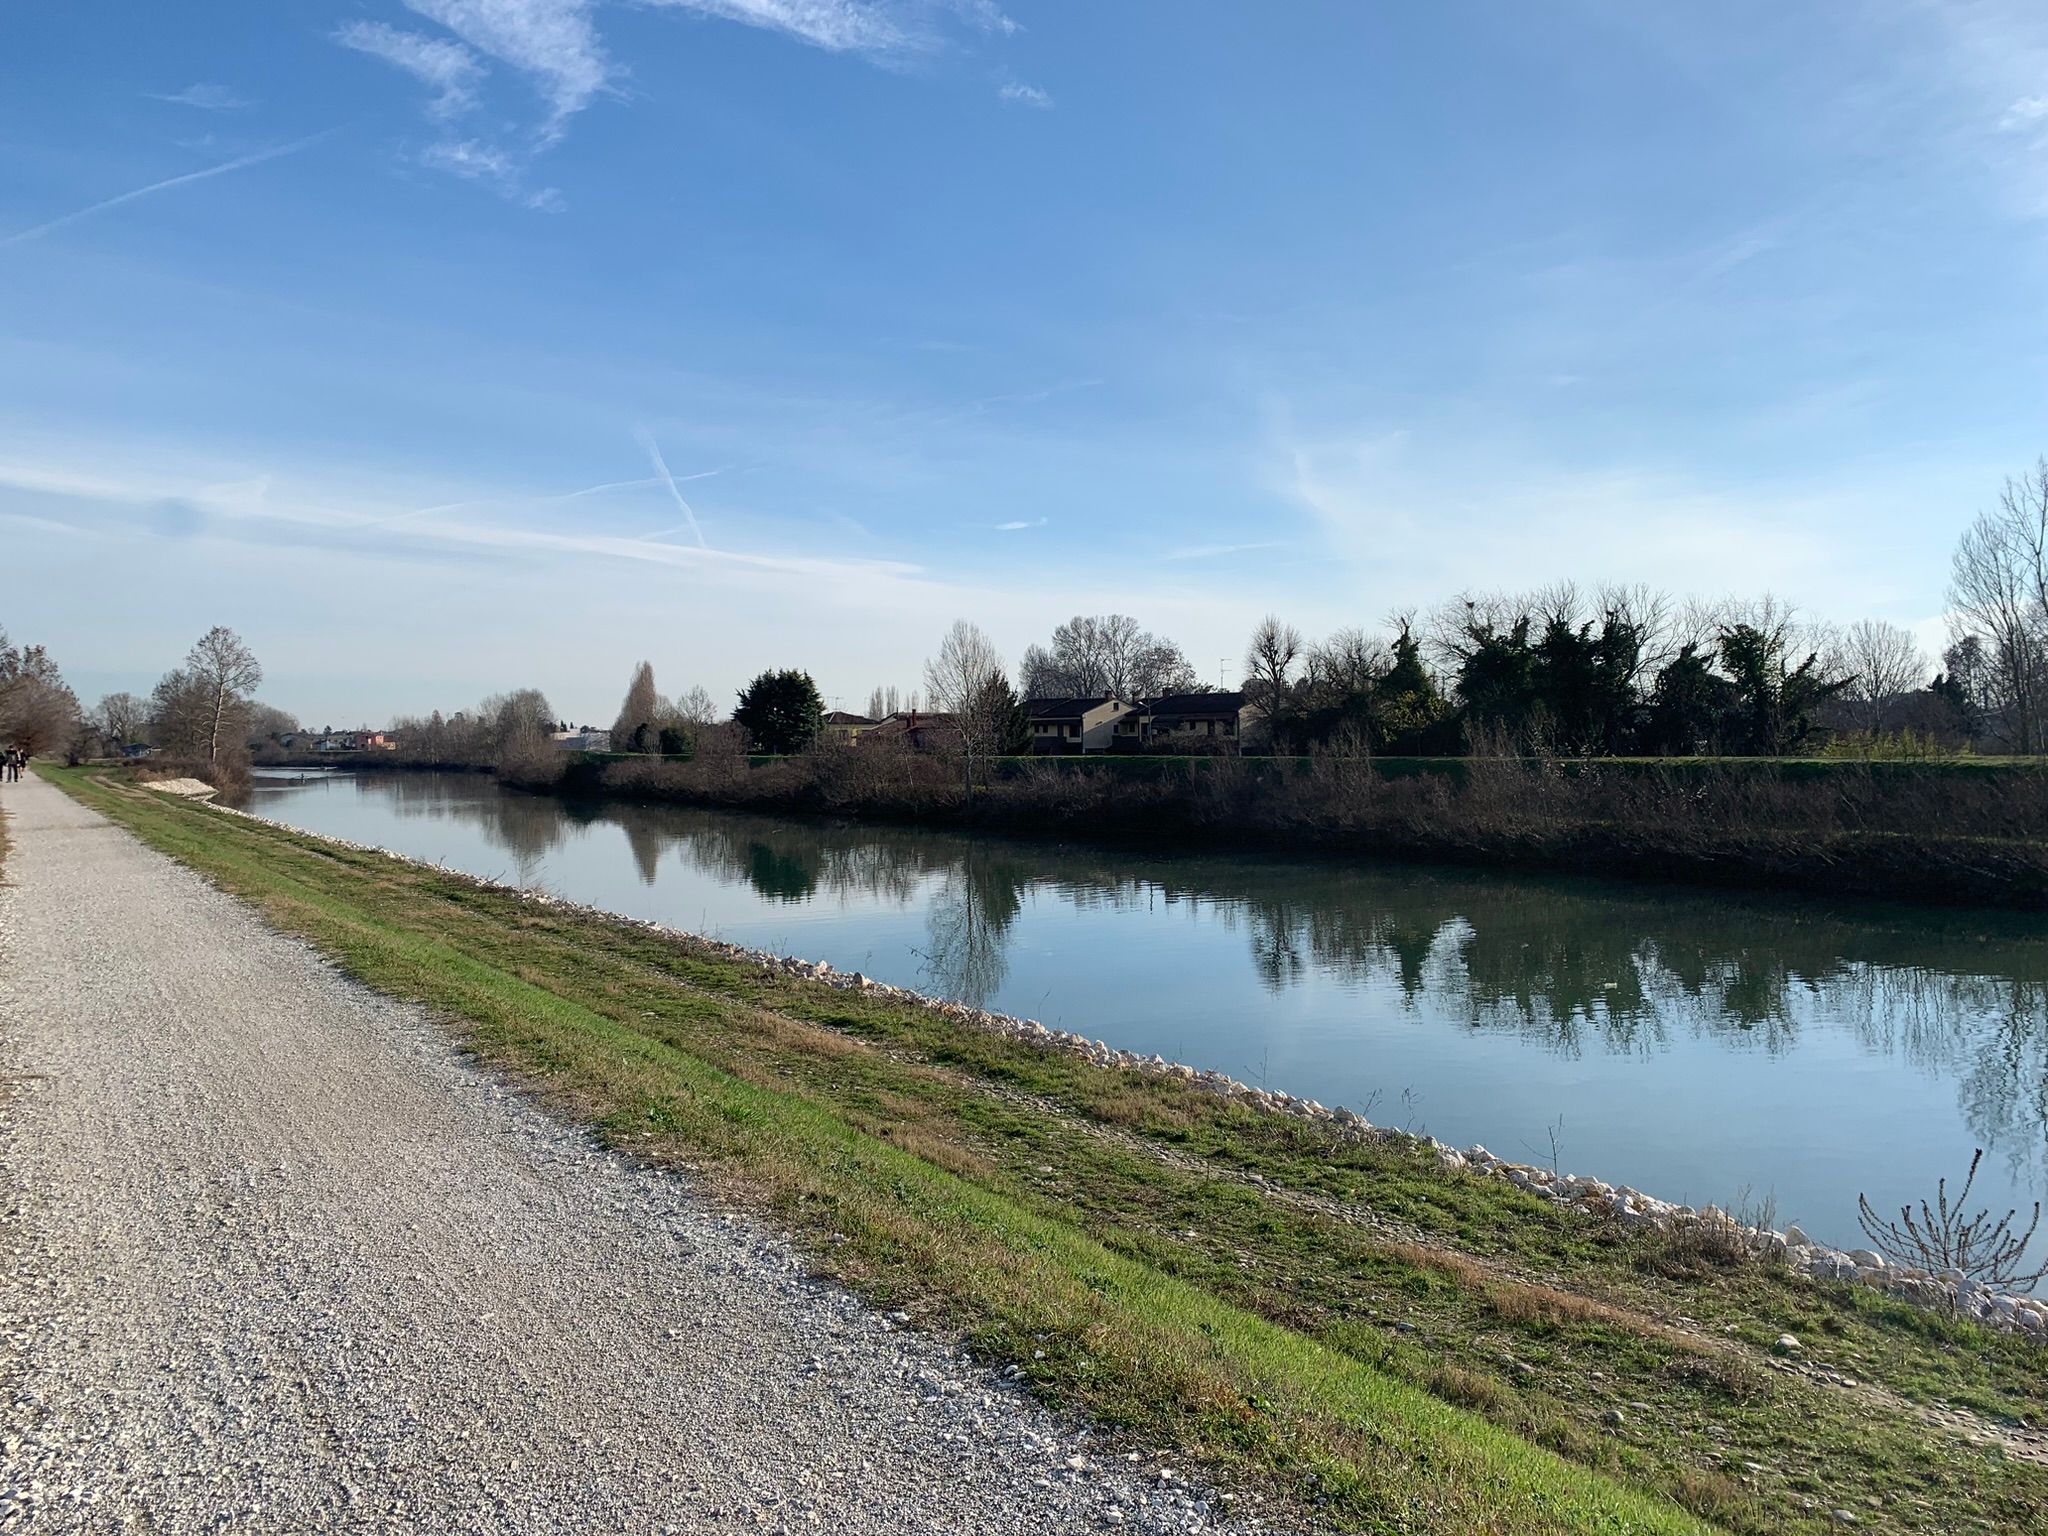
1110, 807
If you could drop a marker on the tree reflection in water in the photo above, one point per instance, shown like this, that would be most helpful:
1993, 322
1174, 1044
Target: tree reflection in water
1576, 966
968, 923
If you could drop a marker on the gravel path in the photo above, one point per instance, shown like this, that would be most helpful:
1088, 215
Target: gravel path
275, 1258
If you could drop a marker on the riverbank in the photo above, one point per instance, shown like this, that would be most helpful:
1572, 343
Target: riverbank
1976, 838
1253, 1287
1973, 834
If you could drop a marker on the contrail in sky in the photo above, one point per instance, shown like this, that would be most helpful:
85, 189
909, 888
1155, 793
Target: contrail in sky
661, 469
164, 186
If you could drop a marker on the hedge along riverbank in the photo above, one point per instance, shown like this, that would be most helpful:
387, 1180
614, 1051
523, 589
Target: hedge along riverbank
983, 1180
1183, 765
1885, 830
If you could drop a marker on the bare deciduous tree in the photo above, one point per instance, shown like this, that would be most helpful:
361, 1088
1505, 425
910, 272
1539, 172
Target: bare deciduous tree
121, 718
967, 679
1268, 670
517, 718
1652, 617
177, 714
38, 712
1105, 654
1998, 595
1883, 663
696, 707
266, 722
1348, 663
518, 727
224, 673
1158, 669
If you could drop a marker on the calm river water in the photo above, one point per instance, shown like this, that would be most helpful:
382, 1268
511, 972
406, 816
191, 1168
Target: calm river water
1694, 1045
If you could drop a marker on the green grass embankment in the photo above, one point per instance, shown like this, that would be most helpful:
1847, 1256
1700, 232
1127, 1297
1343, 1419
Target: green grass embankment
1384, 1345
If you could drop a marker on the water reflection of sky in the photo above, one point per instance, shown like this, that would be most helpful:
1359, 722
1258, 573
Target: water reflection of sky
1695, 1045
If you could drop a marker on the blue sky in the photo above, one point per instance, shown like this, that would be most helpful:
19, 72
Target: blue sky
373, 328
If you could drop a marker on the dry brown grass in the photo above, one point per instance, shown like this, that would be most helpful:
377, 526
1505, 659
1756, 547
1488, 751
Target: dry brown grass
1917, 830
1524, 1302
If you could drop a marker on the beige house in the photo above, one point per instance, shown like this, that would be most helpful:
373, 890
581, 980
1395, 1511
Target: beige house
843, 726
1185, 721
1063, 726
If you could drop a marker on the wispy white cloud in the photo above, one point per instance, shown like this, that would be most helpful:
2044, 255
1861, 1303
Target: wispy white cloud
661, 469
318, 532
480, 160
240, 162
2027, 112
1739, 251
472, 160
261, 509
1019, 525
44, 525
604, 488
553, 42
207, 98
450, 68
1984, 80
555, 47
987, 15
842, 26
853, 26
1018, 94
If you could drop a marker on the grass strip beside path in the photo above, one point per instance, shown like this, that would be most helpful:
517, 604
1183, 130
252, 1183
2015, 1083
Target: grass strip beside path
1106, 1230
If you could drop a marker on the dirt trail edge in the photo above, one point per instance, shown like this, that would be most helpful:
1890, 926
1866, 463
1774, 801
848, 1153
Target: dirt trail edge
275, 1258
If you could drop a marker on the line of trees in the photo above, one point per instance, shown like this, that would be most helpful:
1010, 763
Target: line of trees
203, 713
1618, 670
1579, 672
1627, 669
511, 732
38, 711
